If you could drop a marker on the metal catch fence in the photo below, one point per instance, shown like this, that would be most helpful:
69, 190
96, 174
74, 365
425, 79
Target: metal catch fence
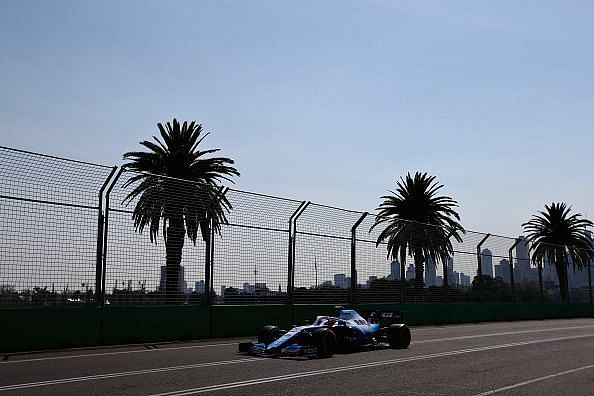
75, 233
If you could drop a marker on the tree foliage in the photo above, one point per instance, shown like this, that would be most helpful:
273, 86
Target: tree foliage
418, 220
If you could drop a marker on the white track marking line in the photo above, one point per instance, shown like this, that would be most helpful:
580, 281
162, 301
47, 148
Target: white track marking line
500, 334
113, 353
258, 381
546, 377
124, 374
270, 379
235, 344
498, 323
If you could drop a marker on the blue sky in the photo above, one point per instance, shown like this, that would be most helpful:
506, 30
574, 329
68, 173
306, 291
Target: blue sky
323, 101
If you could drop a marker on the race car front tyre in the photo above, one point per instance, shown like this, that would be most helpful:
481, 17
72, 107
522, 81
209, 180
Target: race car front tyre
269, 334
398, 336
325, 340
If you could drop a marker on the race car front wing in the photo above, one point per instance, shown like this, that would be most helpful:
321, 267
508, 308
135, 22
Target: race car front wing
260, 349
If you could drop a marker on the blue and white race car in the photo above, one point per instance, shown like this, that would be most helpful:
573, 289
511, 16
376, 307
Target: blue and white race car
346, 332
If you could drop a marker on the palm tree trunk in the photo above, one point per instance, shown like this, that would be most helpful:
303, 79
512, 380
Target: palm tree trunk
562, 276
419, 270
402, 271
173, 246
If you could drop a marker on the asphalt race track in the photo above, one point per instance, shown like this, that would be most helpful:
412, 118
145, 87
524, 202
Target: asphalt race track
549, 357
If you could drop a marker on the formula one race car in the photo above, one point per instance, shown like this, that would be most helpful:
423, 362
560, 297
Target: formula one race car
346, 332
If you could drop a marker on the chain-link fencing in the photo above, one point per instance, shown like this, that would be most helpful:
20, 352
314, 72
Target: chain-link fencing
49, 210
74, 233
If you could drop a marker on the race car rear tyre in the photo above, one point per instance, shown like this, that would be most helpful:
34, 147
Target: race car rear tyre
398, 336
325, 340
269, 334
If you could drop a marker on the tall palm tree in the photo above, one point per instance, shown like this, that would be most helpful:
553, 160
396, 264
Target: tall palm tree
556, 235
178, 184
420, 221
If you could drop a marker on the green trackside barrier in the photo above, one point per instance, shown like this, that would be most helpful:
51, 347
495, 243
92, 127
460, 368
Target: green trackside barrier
50, 328
124, 325
35, 329
246, 320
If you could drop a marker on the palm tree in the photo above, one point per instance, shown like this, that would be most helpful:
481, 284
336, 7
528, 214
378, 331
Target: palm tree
556, 235
418, 220
177, 183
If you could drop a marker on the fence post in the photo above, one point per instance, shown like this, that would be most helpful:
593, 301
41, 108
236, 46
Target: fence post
590, 279
353, 258
106, 229
209, 248
511, 269
100, 224
291, 261
566, 270
446, 281
480, 269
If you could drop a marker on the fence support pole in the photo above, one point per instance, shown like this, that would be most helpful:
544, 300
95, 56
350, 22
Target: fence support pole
100, 224
353, 258
480, 269
566, 270
511, 269
590, 278
209, 248
540, 281
446, 281
106, 229
291, 261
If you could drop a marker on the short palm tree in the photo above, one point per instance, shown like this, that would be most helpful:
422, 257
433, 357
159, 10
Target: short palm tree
418, 220
556, 235
177, 183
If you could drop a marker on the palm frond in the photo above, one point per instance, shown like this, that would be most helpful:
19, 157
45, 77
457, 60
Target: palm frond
177, 180
418, 219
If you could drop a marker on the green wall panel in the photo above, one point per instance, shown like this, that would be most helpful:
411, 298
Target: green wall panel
48, 328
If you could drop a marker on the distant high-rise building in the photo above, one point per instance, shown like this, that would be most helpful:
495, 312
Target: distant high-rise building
248, 288
549, 274
576, 277
464, 280
340, 281
522, 266
487, 262
370, 280
430, 272
394, 270
502, 271
455, 279
450, 268
410, 272
199, 287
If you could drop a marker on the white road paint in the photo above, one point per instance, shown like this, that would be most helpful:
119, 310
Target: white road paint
235, 344
271, 379
532, 381
286, 377
499, 334
123, 374
114, 353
